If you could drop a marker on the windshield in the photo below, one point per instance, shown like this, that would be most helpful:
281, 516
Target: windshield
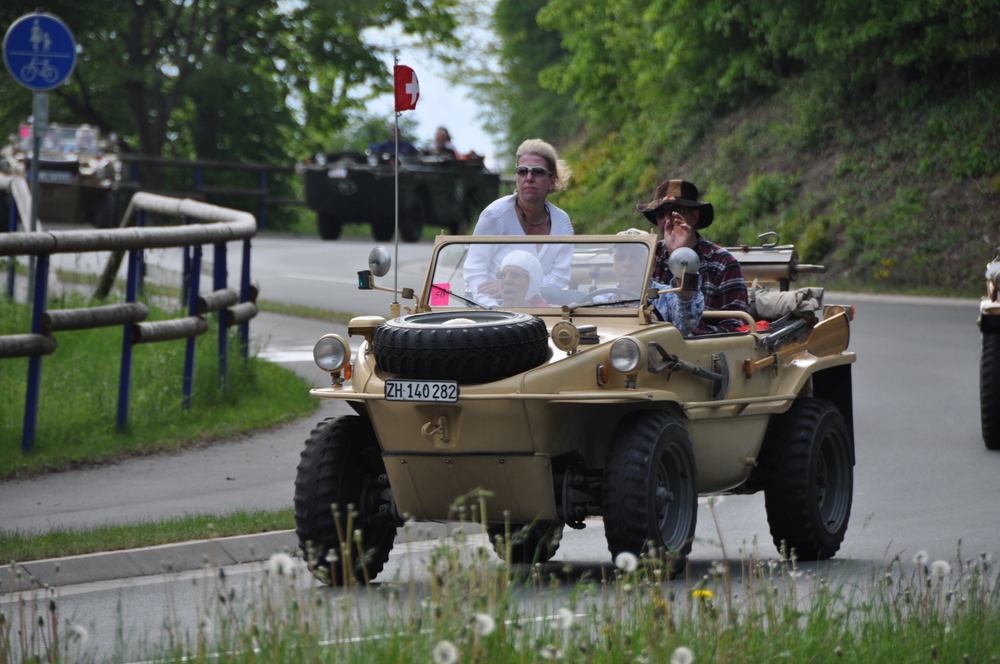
59, 139
540, 275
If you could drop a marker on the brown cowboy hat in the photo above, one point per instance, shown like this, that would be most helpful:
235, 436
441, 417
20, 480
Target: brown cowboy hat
677, 192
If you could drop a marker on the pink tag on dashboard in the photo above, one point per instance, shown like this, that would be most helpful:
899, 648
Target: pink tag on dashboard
439, 297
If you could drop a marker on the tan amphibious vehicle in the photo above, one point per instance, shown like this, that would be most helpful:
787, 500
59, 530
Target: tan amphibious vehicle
576, 401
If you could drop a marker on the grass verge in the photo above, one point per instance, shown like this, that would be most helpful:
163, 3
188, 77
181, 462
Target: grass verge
22, 547
78, 401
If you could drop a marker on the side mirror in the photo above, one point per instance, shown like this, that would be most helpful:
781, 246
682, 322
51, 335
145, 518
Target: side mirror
379, 261
684, 264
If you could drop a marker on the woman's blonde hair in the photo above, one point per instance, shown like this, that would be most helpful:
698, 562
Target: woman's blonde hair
559, 167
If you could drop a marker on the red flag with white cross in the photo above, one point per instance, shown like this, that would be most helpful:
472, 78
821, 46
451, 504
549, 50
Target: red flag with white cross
407, 88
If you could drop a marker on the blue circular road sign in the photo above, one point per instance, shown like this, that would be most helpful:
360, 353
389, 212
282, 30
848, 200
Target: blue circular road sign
39, 51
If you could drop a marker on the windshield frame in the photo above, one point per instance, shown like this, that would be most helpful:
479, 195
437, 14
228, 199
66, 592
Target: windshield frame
444, 242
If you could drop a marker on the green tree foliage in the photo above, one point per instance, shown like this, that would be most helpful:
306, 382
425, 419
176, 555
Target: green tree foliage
257, 80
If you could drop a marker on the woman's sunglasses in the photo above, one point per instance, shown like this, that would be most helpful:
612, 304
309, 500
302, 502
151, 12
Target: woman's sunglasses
537, 171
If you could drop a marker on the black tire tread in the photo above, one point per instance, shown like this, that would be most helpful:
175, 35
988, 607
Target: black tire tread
331, 455
989, 390
785, 459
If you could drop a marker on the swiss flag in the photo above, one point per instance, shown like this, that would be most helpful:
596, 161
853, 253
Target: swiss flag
407, 88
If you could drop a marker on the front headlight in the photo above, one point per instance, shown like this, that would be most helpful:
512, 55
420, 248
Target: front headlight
331, 353
625, 355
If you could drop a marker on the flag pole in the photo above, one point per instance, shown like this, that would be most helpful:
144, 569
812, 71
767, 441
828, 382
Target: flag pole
394, 307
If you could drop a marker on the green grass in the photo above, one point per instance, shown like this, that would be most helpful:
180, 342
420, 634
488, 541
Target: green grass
21, 547
78, 399
303, 311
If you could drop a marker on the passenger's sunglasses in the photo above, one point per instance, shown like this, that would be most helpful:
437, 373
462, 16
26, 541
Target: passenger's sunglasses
537, 171
664, 212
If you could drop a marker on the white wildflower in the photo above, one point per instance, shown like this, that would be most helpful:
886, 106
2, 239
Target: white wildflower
484, 624
280, 564
78, 634
563, 619
445, 652
940, 568
795, 573
718, 568
551, 652
920, 558
682, 655
626, 561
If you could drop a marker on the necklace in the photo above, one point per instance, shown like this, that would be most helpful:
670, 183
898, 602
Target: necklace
525, 217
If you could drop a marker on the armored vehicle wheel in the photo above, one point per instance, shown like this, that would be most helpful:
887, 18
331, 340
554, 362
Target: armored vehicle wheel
382, 231
411, 226
341, 465
107, 212
529, 543
469, 346
650, 493
806, 462
989, 389
329, 226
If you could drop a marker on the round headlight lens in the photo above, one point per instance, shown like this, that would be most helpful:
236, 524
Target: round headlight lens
625, 355
331, 352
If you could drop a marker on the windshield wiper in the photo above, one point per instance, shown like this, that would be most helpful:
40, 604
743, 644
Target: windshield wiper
463, 299
615, 303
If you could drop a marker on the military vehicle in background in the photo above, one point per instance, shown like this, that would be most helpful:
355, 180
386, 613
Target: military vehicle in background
350, 187
79, 175
989, 363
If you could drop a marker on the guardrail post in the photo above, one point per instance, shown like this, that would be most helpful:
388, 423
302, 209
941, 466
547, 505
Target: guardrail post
125, 380
260, 204
219, 284
140, 222
194, 287
12, 268
35, 362
244, 296
186, 270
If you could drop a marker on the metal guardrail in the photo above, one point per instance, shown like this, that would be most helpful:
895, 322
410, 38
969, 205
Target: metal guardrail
225, 225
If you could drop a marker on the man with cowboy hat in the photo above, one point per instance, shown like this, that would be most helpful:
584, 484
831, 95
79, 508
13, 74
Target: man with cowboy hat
677, 212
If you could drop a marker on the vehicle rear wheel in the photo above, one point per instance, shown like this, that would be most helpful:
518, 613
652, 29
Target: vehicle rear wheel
411, 225
468, 346
329, 226
989, 389
342, 465
382, 231
650, 492
529, 543
807, 466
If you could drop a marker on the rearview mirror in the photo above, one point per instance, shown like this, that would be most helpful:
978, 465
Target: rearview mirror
379, 261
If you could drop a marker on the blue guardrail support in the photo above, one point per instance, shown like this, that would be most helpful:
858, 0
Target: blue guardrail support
244, 296
35, 362
194, 287
12, 268
125, 381
219, 284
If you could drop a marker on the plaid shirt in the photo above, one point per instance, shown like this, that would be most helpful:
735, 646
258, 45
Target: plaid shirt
722, 283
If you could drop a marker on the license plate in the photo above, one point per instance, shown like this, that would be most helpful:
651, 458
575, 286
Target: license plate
61, 177
440, 391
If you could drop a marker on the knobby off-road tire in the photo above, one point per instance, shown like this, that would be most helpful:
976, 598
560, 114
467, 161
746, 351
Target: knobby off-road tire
383, 230
808, 479
989, 389
329, 227
341, 465
468, 346
650, 492
411, 224
529, 543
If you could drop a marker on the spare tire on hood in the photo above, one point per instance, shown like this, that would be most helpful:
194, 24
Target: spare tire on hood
468, 346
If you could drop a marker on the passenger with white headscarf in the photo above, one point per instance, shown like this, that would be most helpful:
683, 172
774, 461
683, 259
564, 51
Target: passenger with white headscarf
520, 276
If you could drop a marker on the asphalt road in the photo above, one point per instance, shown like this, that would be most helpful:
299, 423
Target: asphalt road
923, 479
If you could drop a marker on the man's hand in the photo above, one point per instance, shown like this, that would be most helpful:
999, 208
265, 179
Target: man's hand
677, 233
490, 288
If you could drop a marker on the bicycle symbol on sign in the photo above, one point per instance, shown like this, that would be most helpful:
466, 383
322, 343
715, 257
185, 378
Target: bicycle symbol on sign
39, 68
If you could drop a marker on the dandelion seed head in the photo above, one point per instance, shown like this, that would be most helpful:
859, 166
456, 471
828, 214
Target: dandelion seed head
551, 652
280, 564
940, 568
773, 564
682, 655
445, 652
920, 558
718, 568
78, 634
563, 619
484, 624
795, 573
626, 561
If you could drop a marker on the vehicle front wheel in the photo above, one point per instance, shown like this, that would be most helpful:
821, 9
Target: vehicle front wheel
529, 543
341, 466
807, 466
329, 226
989, 390
650, 492
411, 226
